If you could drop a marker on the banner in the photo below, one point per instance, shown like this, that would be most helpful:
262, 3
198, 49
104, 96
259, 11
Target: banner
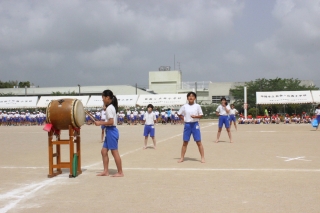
316, 96
18, 102
284, 97
123, 101
162, 100
45, 100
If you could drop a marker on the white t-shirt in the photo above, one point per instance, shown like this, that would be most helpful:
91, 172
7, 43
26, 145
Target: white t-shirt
135, 112
233, 111
103, 115
221, 110
157, 112
111, 113
188, 110
128, 112
317, 112
1, 116
149, 118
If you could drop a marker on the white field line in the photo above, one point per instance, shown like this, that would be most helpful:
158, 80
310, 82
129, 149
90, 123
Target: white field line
224, 169
16, 195
19, 194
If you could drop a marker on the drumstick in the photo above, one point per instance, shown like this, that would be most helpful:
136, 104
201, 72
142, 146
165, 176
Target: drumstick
91, 116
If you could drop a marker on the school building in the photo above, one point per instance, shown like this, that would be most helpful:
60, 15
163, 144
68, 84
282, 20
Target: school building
162, 81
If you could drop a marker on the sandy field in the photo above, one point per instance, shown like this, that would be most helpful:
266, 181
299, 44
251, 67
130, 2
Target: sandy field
269, 168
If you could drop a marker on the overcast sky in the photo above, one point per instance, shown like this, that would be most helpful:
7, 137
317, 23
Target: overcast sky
65, 43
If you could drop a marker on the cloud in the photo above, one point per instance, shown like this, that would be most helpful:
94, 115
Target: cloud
62, 43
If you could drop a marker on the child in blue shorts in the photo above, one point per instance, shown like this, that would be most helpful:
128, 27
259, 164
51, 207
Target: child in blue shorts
191, 114
223, 111
112, 134
150, 119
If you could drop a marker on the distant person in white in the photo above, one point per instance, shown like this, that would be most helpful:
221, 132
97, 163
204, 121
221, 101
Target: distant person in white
222, 111
149, 119
232, 115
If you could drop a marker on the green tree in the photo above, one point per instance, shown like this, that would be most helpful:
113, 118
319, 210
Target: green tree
58, 93
277, 84
23, 84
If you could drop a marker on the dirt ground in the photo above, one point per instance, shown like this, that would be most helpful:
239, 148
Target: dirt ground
269, 168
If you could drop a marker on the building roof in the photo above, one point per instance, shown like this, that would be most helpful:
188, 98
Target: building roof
84, 90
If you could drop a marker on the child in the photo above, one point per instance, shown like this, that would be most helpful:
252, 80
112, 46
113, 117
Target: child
191, 114
222, 111
232, 115
150, 119
112, 134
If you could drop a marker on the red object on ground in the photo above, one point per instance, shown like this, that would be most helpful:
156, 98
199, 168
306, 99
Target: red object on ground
47, 127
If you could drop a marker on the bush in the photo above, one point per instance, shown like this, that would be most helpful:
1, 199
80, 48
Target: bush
253, 112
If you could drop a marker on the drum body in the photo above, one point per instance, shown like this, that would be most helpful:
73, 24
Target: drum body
64, 112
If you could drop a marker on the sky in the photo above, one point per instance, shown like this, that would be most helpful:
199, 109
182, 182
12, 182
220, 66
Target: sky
114, 42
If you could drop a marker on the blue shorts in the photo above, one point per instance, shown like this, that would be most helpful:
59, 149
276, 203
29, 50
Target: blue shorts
191, 128
103, 127
224, 119
111, 139
318, 119
149, 129
232, 118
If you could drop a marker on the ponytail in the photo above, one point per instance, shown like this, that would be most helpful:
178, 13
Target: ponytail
114, 102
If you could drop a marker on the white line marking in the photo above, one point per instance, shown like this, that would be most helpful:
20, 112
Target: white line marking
297, 158
224, 169
21, 167
16, 195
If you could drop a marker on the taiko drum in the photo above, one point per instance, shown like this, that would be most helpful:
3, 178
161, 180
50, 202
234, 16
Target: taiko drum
64, 112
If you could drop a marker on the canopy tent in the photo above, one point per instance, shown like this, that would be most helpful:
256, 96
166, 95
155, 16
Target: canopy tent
45, 100
284, 97
18, 102
316, 96
162, 100
123, 100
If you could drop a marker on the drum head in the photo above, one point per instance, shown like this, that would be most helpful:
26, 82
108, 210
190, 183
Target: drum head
78, 113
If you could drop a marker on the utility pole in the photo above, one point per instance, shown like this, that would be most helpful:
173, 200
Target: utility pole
136, 89
79, 89
25, 90
195, 87
174, 62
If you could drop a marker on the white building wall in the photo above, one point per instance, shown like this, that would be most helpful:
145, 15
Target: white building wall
165, 82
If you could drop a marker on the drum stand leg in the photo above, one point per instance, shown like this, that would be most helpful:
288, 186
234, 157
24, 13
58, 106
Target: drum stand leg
50, 149
74, 138
78, 151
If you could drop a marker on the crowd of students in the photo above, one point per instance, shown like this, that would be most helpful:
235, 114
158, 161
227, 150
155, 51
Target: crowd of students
277, 119
136, 116
16, 118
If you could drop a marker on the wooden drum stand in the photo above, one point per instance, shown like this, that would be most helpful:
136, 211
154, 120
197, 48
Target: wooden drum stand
74, 163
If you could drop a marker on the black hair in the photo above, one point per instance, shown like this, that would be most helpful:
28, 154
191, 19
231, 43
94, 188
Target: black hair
318, 105
114, 102
150, 105
192, 93
223, 98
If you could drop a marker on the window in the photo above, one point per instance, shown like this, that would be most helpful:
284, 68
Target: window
217, 99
